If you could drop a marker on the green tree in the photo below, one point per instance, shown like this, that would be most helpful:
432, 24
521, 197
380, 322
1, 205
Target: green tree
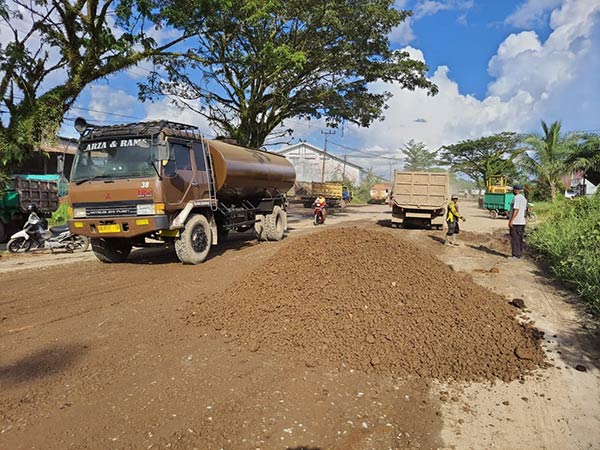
586, 154
417, 157
66, 46
546, 157
484, 157
260, 62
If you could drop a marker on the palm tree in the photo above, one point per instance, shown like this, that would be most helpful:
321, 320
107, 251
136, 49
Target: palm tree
547, 155
586, 156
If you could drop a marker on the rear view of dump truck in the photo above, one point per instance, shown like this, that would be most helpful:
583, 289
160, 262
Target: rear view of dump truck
335, 193
162, 180
420, 198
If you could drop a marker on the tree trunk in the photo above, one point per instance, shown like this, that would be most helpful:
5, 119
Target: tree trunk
553, 191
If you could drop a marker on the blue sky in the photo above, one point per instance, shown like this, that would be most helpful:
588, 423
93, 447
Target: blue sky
501, 65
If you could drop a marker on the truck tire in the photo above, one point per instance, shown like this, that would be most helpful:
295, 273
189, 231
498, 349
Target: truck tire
493, 214
194, 242
111, 250
274, 224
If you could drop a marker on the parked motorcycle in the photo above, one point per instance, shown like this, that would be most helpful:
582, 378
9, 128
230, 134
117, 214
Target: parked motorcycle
319, 215
35, 235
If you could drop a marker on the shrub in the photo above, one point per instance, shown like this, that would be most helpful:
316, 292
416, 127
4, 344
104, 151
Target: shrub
569, 237
61, 215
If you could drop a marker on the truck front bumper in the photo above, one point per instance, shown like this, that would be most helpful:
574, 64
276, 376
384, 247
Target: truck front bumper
124, 227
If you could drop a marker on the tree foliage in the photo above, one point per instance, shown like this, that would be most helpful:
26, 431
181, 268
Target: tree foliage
547, 155
586, 155
417, 157
257, 63
484, 157
59, 47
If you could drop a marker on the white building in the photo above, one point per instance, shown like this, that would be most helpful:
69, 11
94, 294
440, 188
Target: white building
314, 164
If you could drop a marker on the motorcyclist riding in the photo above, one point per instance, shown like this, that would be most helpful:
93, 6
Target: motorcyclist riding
321, 203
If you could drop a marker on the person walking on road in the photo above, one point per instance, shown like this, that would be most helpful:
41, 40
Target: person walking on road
516, 222
452, 218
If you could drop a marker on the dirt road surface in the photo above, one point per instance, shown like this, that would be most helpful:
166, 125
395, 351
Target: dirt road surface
97, 356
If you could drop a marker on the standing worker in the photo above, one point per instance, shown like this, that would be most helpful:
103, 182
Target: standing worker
516, 222
452, 221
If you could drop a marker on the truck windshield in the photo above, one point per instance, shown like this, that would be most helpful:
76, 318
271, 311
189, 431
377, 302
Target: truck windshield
114, 158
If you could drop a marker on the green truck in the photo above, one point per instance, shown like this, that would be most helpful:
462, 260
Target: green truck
498, 203
42, 190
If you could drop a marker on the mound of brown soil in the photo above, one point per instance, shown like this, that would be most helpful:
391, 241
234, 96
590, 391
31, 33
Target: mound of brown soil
374, 302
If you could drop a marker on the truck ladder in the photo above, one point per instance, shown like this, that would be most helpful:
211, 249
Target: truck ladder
212, 192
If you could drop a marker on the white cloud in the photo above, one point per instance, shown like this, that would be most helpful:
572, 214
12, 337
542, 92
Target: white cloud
404, 34
431, 7
167, 108
107, 103
555, 79
532, 13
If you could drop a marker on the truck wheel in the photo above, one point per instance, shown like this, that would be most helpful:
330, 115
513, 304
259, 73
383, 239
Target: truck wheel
493, 214
274, 224
115, 250
194, 242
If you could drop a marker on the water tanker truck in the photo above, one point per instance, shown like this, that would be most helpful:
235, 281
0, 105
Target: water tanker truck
163, 181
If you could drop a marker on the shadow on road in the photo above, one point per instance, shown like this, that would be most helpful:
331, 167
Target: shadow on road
42, 363
488, 250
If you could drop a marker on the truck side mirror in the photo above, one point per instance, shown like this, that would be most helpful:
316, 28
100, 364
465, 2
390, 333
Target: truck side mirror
162, 151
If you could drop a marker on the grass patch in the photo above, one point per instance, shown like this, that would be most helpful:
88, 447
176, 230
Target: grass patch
569, 238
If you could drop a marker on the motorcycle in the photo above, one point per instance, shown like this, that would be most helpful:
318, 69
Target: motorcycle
529, 213
319, 215
35, 233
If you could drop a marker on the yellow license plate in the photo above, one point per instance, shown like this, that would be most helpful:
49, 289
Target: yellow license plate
116, 228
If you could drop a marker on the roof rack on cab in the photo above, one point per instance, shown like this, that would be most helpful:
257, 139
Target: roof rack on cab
144, 128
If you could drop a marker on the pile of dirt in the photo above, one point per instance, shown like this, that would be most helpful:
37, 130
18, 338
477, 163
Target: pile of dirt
373, 302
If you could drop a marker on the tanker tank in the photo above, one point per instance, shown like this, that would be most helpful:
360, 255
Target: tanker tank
243, 173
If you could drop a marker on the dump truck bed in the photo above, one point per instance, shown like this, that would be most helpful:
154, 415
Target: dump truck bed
421, 190
420, 198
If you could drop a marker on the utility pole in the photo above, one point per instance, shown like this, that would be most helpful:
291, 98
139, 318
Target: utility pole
326, 133
344, 169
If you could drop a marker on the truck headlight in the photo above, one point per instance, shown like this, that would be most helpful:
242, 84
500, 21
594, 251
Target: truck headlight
78, 213
146, 210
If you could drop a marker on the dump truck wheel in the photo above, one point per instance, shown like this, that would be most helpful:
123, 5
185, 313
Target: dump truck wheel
194, 241
115, 250
493, 214
274, 224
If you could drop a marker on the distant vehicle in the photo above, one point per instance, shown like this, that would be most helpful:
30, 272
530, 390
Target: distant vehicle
570, 194
380, 193
336, 194
163, 180
41, 190
420, 198
497, 199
